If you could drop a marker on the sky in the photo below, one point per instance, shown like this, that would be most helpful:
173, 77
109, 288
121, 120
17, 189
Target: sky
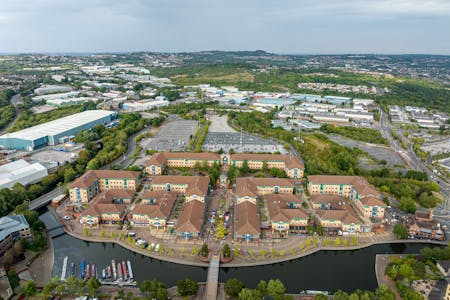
279, 26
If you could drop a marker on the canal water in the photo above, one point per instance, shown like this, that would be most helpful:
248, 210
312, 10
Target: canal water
324, 270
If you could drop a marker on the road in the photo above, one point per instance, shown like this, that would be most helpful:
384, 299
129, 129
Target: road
411, 157
15, 101
122, 161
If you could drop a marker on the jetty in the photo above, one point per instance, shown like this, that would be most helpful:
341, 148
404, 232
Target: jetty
213, 278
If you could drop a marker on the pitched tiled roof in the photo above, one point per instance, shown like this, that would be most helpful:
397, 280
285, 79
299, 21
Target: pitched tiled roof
372, 201
290, 161
100, 208
197, 185
110, 195
191, 217
161, 209
161, 157
247, 219
334, 200
88, 178
344, 216
247, 186
279, 211
360, 184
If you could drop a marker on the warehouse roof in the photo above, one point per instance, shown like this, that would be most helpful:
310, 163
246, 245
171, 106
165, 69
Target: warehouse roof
22, 172
59, 125
11, 224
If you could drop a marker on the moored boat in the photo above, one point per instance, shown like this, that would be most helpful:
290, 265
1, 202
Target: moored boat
93, 274
130, 272
113, 263
83, 269
124, 270
119, 272
88, 271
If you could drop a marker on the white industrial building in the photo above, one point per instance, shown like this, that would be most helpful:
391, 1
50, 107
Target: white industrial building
51, 89
56, 96
56, 131
144, 105
21, 172
70, 101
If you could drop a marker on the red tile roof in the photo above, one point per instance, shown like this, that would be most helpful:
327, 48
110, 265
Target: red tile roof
197, 185
161, 157
290, 161
247, 219
88, 178
191, 218
247, 186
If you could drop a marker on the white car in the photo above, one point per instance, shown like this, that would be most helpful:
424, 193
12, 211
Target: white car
66, 217
157, 248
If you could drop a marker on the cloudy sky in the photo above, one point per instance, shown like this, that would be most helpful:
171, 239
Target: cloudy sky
281, 26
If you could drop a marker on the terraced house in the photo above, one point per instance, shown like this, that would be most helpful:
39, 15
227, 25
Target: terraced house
84, 188
194, 189
292, 165
247, 218
356, 188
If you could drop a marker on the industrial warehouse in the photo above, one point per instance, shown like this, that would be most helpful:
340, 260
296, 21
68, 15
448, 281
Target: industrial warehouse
55, 132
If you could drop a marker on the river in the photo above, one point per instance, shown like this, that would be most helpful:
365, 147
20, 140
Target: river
324, 270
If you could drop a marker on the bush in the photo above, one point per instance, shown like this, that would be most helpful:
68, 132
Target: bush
187, 287
226, 250
233, 287
400, 231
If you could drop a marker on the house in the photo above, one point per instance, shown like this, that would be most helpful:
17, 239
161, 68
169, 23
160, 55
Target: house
444, 267
103, 213
189, 226
247, 226
285, 215
159, 161
13, 228
292, 165
192, 187
154, 214
335, 221
328, 202
85, 187
249, 188
356, 188
424, 229
107, 207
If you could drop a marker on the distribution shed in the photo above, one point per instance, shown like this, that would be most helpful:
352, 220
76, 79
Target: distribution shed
54, 132
22, 172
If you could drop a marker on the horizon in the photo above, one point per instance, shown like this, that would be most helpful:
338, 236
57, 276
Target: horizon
322, 27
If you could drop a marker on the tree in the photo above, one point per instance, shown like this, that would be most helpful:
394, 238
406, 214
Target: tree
17, 249
276, 289
50, 287
8, 258
93, 284
400, 231
341, 295
248, 294
233, 287
384, 293
204, 250
262, 288
321, 297
245, 168
226, 251
407, 204
30, 288
406, 270
187, 287
60, 288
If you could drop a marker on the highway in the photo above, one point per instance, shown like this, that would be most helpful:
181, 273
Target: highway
411, 157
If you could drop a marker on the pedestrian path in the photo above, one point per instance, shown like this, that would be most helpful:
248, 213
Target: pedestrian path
213, 278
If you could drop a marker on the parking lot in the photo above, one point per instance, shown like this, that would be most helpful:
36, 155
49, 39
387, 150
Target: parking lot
214, 141
172, 137
219, 124
379, 152
58, 157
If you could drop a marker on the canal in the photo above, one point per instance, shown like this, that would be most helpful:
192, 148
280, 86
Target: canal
324, 270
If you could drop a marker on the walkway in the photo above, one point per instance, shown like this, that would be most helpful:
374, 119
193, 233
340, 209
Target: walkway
213, 278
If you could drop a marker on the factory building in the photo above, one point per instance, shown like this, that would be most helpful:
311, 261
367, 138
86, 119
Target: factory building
21, 172
54, 132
